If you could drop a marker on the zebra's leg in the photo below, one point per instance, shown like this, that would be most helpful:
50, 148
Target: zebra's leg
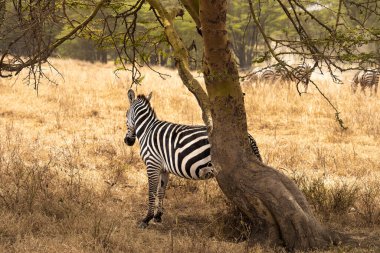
153, 176
354, 86
363, 88
288, 82
306, 85
163, 182
373, 89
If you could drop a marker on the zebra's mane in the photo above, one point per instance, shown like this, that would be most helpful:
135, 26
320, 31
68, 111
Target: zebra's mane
146, 100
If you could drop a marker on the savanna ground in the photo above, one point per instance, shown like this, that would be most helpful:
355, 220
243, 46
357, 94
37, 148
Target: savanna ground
68, 183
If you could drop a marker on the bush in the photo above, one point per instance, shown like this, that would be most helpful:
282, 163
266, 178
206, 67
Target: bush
326, 200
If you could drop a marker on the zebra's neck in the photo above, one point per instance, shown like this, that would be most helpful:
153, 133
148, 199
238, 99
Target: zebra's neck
143, 121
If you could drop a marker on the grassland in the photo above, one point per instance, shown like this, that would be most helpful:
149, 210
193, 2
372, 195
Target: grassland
68, 183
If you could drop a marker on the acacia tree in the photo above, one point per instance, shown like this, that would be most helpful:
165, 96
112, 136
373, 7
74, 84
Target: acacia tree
271, 200
262, 193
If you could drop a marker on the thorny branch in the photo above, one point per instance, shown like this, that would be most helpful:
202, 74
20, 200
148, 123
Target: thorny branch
181, 57
133, 44
40, 46
333, 47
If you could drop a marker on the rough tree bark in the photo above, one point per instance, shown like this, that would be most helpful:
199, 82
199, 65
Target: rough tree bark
259, 191
2, 11
269, 198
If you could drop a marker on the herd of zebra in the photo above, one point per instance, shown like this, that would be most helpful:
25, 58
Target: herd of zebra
368, 78
299, 74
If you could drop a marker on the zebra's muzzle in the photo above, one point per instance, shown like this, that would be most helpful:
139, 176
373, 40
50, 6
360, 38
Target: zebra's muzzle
129, 141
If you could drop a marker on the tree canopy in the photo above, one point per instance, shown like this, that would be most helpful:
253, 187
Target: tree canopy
341, 34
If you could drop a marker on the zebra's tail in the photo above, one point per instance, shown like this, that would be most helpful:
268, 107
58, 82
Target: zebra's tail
254, 147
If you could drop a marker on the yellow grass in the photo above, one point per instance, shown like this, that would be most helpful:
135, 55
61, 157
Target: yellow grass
68, 183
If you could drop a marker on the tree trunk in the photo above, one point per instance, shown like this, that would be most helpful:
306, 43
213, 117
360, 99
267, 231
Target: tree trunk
163, 60
2, 12
265, 195
241, 55
103, 56
270, 199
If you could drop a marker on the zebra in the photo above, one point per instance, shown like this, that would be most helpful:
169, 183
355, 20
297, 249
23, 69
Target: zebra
263, 75
366, 78
168, 148
268, 75
299, 74
252, 76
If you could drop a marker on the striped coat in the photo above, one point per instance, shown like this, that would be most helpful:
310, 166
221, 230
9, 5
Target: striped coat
366, 79
168, 148
299, 74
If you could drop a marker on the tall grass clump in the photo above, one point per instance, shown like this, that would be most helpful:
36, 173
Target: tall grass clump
24, 181
32, 179
339, 199
368, 206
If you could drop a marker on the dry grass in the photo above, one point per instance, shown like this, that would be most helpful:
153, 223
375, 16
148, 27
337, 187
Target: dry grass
69, 184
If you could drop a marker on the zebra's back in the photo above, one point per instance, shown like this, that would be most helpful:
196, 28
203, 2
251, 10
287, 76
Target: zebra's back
370, 78
179, 149
366, 78
268, 75
302, 73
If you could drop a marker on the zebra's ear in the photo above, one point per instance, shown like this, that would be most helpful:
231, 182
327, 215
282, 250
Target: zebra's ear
131, 96
149, 96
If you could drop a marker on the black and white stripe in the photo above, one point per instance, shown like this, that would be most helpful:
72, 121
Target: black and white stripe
168, 148
254, 147
282, 74
268, 75
262, 75
366, 78
299, 74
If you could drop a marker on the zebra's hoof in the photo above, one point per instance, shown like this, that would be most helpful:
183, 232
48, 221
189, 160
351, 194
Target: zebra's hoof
158, 219
143, 225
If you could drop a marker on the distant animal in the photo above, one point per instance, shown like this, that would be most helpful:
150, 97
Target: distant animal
366, 79
299, 74
266, 75
168, 148
282, 74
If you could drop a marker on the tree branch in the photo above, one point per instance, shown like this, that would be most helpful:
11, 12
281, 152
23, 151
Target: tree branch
192, 6
181, 56
41, 56
315, 53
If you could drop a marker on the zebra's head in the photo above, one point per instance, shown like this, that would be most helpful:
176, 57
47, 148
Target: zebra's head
130, 137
